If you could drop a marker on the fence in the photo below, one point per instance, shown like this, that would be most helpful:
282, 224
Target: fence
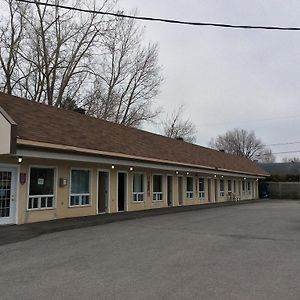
281, 190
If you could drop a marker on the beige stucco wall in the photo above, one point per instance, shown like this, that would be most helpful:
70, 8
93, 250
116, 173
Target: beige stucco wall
63, 168
5, 131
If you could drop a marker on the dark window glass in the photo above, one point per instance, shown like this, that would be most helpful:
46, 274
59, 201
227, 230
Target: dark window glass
190, 184
157, 183
222, 185
229, 185
80, 182
201, 185
138, 180
41, 181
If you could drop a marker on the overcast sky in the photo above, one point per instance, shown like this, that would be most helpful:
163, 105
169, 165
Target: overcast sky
230, 78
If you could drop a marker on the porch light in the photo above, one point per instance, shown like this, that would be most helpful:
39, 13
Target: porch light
20, 159
215, 176
222, 176
131, 169
245, 178
177, 172
187, 173
112, 166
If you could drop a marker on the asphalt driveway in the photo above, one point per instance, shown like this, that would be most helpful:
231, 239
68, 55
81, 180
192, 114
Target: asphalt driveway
237, 252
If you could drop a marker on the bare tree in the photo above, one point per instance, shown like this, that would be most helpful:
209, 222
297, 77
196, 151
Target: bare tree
11, 36
127, 78
267, 156
176, 126
291, 159
241, 142
54, 51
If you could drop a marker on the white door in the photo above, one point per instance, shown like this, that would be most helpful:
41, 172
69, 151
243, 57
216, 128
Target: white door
8, 195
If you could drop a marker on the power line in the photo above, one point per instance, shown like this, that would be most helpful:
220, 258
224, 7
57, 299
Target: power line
172, 21
285, 152
287, 143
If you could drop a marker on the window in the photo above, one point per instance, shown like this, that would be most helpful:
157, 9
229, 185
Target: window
201, 188
157, 188
222, 188
229, 186
138, 187
41, 188
80, 188
190, 187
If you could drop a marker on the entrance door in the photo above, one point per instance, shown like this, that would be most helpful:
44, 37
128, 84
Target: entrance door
122, 191
170, 190
8, 195
216, 190
180, 191
103, 185
209, 190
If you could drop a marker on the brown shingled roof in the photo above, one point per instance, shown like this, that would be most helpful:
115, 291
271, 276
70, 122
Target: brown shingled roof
41, 123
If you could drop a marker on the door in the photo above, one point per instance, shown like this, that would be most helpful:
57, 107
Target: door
170, 190
180, 191
103, 184
8, 195
216, 190
209, 190
122, 191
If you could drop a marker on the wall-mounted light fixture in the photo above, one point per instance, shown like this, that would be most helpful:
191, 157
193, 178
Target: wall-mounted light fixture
215, 176
222, 176
187, 173
20, 159
131, 169
112, 166
177, 172
245, 178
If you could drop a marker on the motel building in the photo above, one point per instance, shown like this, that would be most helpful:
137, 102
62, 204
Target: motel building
57, 164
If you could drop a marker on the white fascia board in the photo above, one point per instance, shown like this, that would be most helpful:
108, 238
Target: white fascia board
125, 162
5, 135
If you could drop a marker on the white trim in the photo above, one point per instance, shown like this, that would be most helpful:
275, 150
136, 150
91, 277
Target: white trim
108, 191
126, 193
128, 162
54, 187
17, 200
13, 218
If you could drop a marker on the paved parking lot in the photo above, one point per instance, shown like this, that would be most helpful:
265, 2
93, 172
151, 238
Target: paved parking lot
242, 252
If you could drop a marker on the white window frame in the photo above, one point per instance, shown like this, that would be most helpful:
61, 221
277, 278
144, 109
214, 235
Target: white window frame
201, 194
190, 194
138, 197
31, 197
80, 194
158, 196
222, 192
